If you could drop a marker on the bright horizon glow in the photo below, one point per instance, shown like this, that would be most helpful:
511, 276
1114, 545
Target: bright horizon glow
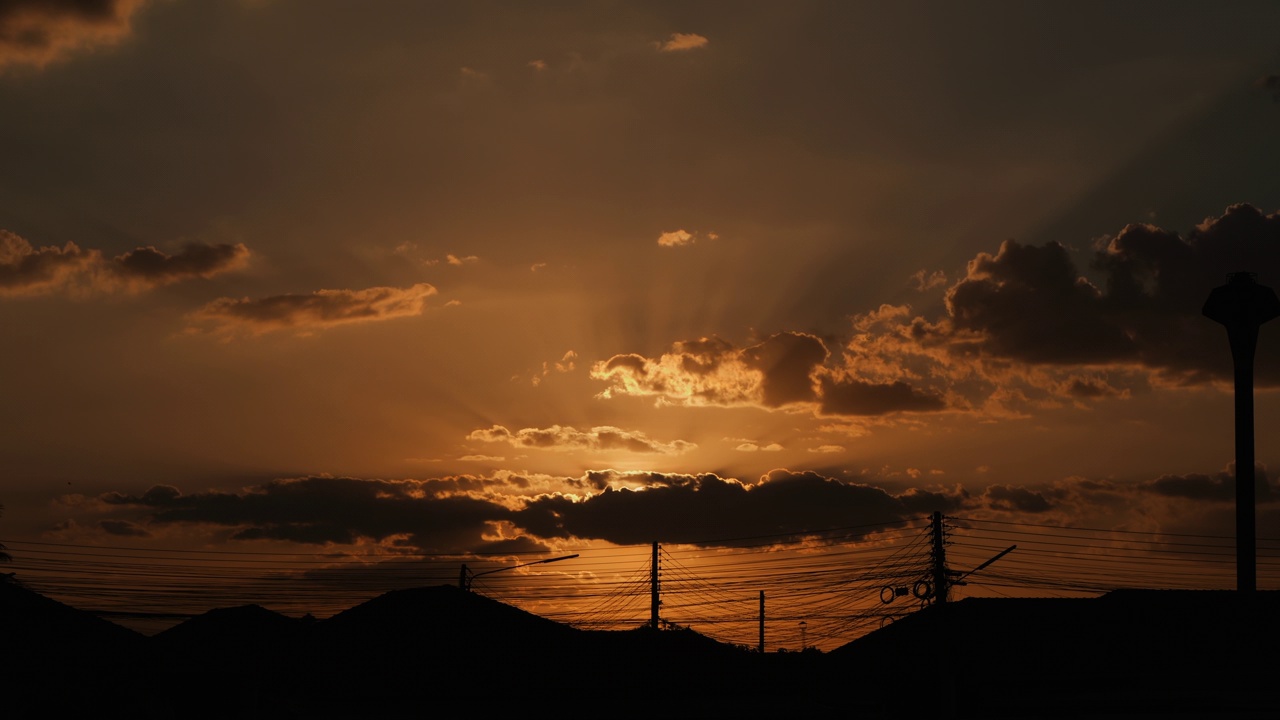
836, 589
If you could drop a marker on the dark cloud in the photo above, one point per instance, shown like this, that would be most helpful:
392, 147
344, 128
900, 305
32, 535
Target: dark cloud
1157, 284
855, 397
787, 362
150, 267
1218, 487
1190, 503
710, 510
123, 528
440, 517
320, 510
1030, 326
1082, 387
1015, 499
1031, 304
460, 514
37, 32
308, 313
26, 270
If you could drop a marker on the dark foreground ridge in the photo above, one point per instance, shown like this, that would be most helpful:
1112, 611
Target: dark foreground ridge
443, 652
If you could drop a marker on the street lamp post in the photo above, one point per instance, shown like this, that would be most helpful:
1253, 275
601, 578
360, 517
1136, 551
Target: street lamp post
465, 576
1242, 305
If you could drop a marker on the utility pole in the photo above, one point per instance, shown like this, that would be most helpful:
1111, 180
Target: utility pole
653, 584
761, 622
1242, 305
941, 578
946, 680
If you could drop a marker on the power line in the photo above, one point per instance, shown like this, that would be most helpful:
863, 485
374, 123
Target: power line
831, 579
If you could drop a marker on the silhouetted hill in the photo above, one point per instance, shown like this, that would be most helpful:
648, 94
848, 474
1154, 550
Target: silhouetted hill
250, 638
458, 650
243, 626
57, 660
443, 652
444, 617
38, 626
429, 647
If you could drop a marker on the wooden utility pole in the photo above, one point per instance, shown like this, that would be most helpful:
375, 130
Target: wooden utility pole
653, 585
941, 578
761, 622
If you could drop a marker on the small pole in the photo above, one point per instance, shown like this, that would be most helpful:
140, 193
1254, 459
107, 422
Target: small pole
653, 584
941, 579
761, 622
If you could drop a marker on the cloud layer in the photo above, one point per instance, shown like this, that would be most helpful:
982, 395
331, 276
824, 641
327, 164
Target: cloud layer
459, 514
1024, 328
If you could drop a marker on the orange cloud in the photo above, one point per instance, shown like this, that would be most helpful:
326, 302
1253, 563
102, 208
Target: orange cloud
38, 32
787, 369
557, 437
753, 447
320, 310
675, 238
682, 237
683, 41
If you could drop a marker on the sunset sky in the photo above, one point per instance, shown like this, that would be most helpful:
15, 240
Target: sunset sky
446, 277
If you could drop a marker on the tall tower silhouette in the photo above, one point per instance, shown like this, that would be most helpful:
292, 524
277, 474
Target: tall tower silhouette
1242, 305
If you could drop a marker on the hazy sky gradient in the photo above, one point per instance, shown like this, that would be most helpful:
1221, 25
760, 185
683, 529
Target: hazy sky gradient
463, 276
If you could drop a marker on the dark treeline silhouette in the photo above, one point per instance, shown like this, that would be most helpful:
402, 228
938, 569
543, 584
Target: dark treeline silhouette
443, 652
